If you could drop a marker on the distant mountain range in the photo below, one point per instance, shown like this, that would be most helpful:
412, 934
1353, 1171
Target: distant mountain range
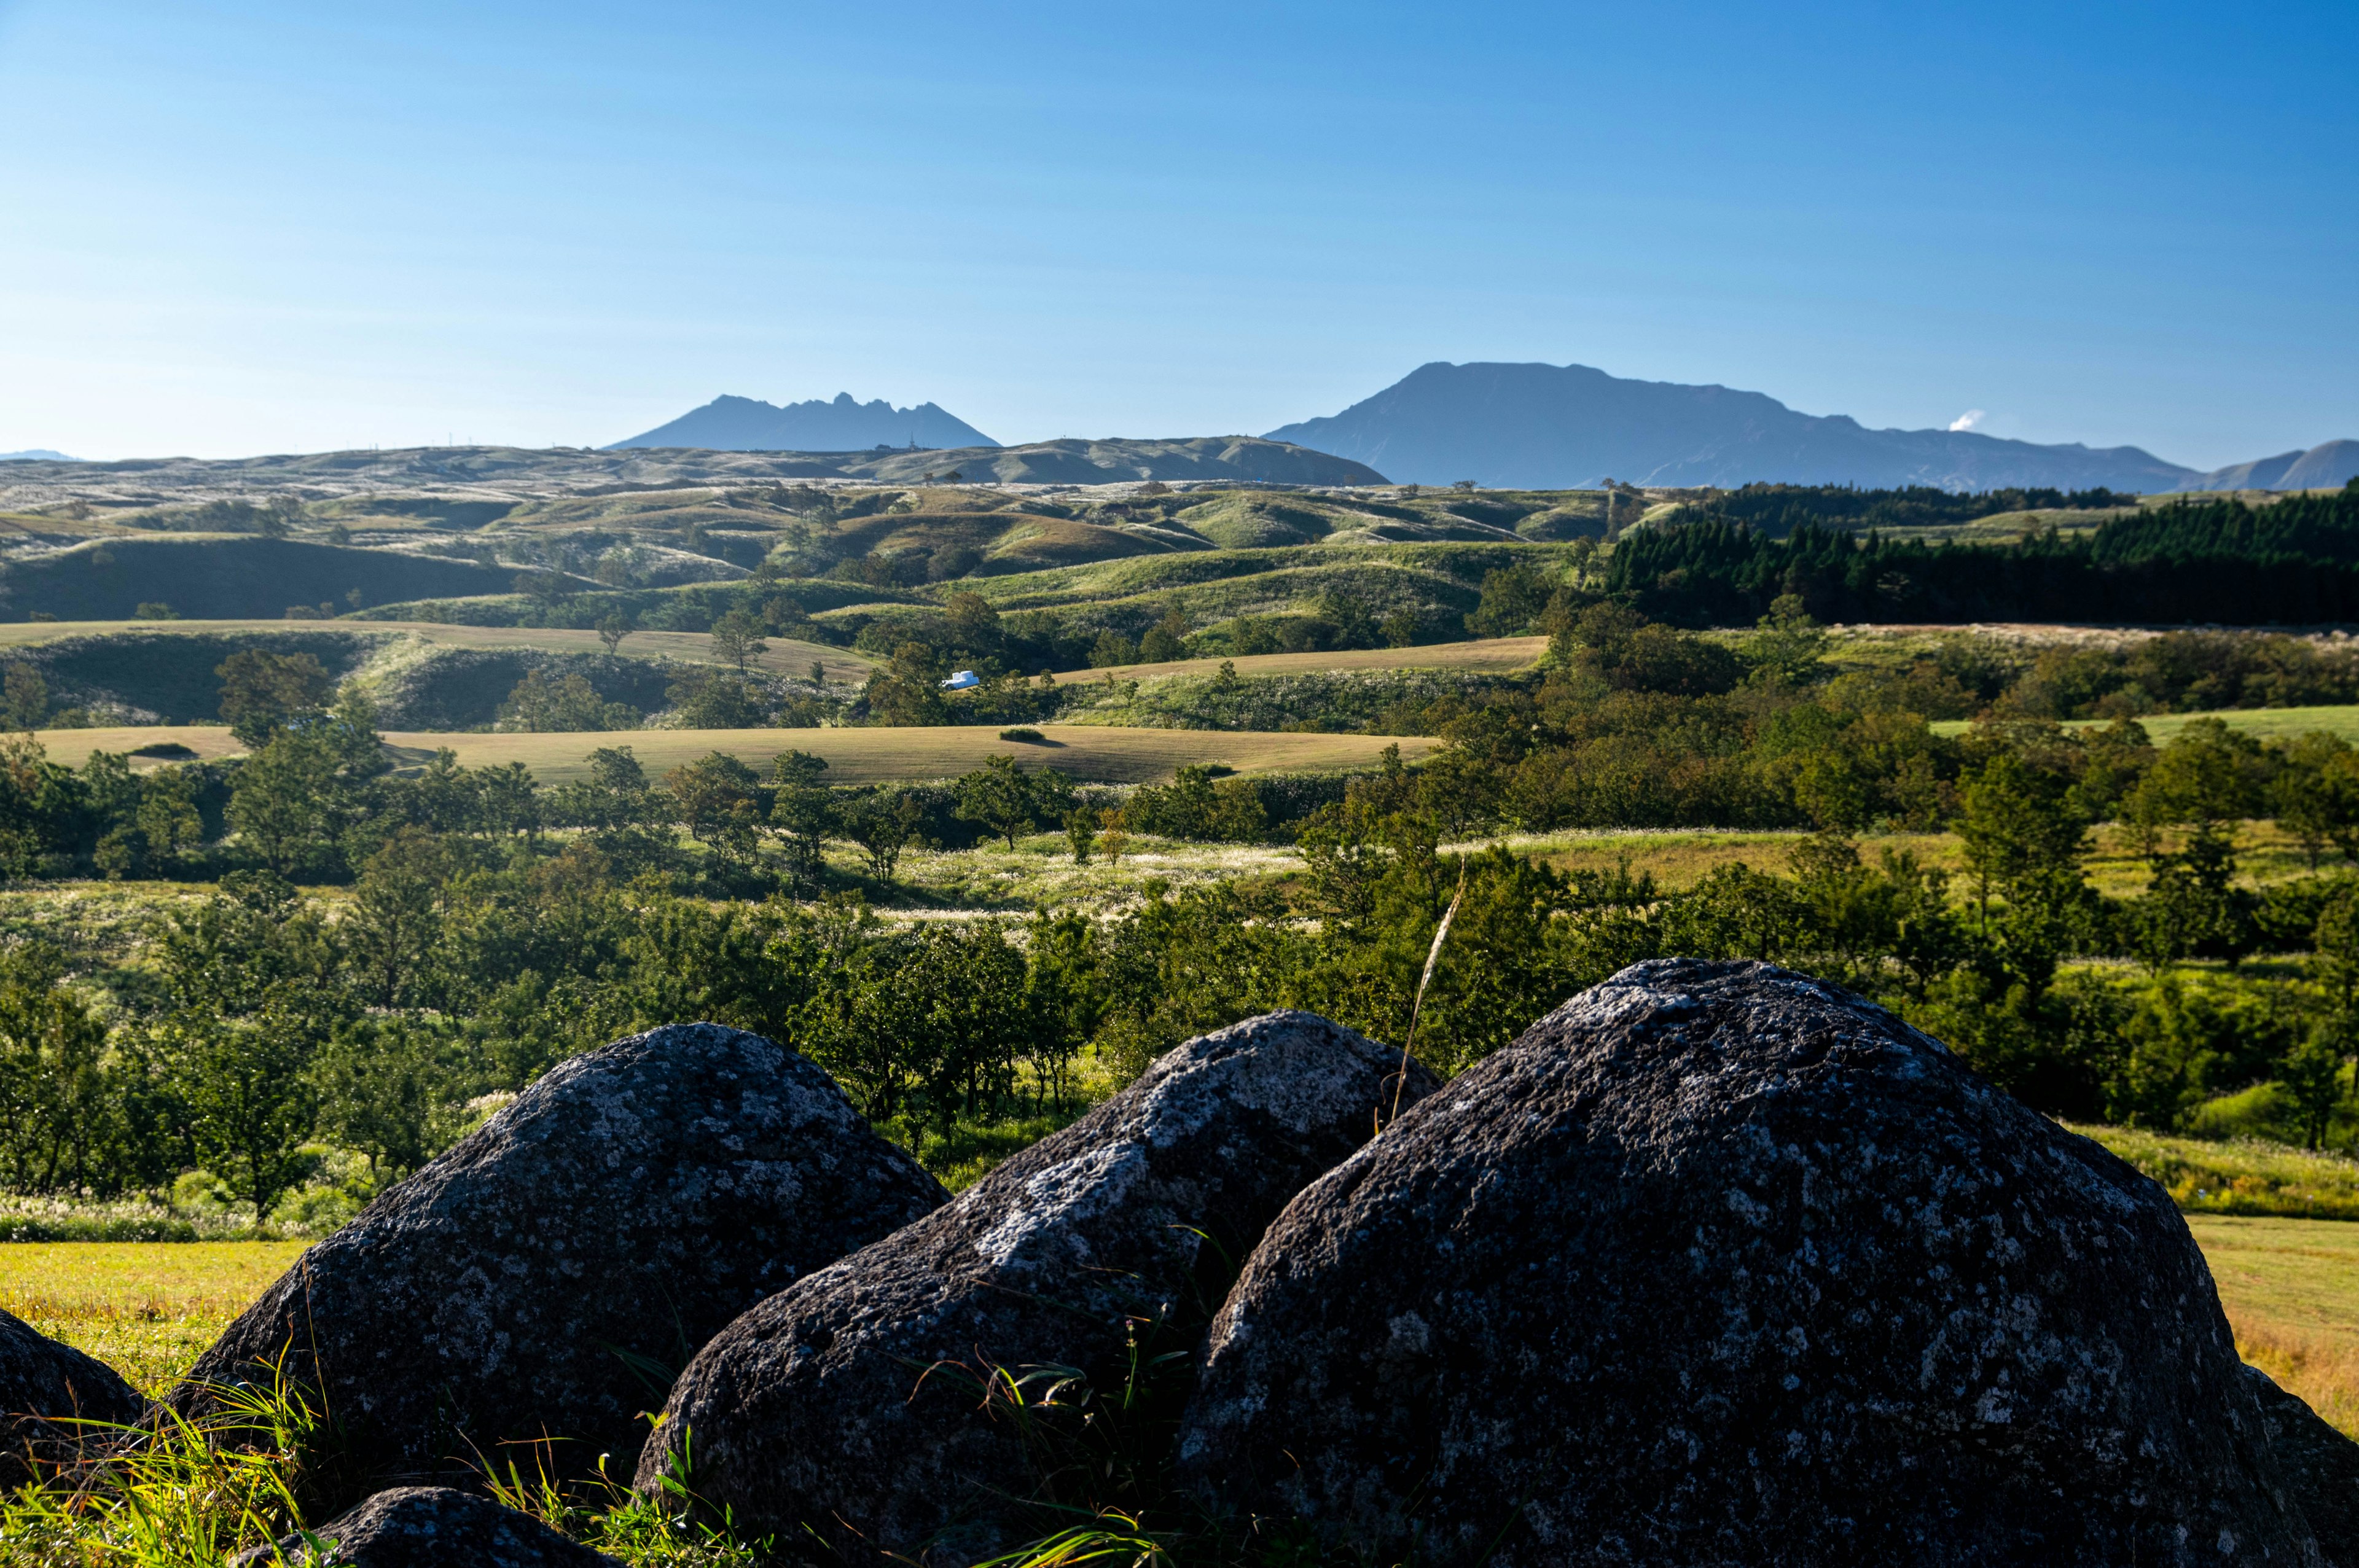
2327, 464
1545, 426
748, 424
35, 455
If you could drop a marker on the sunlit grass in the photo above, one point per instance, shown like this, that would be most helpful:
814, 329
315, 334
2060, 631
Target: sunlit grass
146, 1308
2239, 1176
2290, 1288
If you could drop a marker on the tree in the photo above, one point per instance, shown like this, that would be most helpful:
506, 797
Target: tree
613, 629
710, 699
171, 826
287, 804
250, 1099
544, 585
2316, 794
1081, 833
1786, 649
376, 1086
1513, 598
717, 800
908, 689
26, 696
263, 693
1114, 834
974, 623
396, 919
803, 811
738, 639
541, 706
2023, 839
2313, 1075
883, 825
997, 795
507, 801
1112, 650
57, 1103
1166, 639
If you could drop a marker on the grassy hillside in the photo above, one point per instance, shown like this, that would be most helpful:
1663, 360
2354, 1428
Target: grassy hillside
786, 656
1495, 655
421, 676
238, 575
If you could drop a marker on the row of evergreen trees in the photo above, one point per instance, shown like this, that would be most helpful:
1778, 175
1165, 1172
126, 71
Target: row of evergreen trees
2290, 561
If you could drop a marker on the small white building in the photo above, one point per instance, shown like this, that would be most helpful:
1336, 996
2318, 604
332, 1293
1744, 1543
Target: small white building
960, 680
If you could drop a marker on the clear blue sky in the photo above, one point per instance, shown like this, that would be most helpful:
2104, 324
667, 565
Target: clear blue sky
235, 226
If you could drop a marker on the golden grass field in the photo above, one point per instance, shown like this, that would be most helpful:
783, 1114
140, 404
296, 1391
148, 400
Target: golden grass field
145, 1308
2290, 1288
1101, 754
1501, 656
785, 655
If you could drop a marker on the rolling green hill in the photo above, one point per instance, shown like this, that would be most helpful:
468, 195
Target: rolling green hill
238, 576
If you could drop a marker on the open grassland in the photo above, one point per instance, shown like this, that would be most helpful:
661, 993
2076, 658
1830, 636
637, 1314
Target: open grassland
1498, 655
2265, 723
1097, 754
2241, 1177
991, 879
1678, 858
2290, 1288
785, 655
145, 1308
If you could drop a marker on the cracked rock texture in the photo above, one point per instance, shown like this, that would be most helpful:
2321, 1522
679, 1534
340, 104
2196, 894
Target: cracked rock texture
810, 1408
45, 1387
1721, 1265
2321, 1465
432, 1527
548, 1274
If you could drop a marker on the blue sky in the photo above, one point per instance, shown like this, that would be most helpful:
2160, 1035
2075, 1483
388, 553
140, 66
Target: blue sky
229, 228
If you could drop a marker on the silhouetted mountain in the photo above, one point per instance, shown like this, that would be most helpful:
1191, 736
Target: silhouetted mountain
748, 424
35, 455
1539, 425
2323, 466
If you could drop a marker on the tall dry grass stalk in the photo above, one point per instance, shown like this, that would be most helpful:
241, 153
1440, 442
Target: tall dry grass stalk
1416, 1008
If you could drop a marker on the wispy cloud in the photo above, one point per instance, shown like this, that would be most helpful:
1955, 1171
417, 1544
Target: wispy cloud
1969, 419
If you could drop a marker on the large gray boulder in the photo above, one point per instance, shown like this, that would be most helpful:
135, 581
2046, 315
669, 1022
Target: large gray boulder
2320, 1466
1721, 1265
547, 1275
428, 1527
860, 1405
47, 1391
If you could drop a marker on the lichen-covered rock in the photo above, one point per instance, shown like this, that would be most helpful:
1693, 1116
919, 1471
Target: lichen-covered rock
543, 1276
46, 1389
1721, 1265
2321, 1467
429, 1527
852, 1404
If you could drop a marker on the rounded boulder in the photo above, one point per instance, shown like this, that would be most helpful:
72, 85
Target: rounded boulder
922, 1396
1718, 1264
547, 1276
54, 1401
